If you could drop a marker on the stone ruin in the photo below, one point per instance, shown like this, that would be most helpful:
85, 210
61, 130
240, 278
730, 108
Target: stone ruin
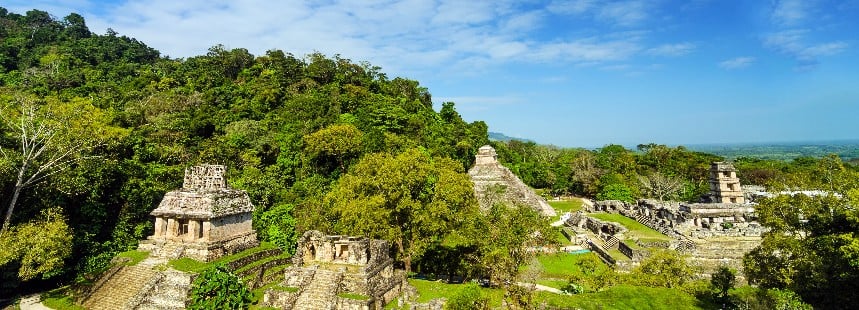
724, 184
330, 271
713, 234
495, 183
203, 220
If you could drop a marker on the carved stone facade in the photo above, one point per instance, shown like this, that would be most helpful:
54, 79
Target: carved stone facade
724, 184
204, 220
328, 269
494, 183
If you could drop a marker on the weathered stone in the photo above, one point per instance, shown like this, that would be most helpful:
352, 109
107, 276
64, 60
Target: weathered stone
495, 183
325, 266
204, 220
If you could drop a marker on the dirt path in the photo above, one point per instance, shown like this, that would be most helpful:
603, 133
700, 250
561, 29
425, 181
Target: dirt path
32, 302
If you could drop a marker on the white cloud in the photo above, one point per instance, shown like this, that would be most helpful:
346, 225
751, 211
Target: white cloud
737, 63
790, 12
678, 49
626, 13
794, 44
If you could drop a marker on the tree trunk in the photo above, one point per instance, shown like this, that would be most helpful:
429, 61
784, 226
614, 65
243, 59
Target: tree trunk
9, 210
19, 185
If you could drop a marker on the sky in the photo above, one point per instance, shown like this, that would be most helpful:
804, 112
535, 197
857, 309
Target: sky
571, 73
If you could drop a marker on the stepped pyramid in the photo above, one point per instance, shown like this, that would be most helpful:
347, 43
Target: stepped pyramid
495, 183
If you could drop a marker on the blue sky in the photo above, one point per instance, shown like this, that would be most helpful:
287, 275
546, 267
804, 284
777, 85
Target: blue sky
569, 73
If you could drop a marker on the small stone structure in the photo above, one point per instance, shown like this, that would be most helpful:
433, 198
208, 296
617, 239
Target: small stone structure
724, 184
494, 182
338, 272
203, 220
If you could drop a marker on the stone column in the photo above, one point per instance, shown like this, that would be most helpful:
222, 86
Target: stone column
159, 227
172, 228
193, 230
207, 229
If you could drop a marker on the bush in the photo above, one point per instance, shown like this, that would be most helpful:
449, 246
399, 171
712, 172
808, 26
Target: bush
468, 298
278, 227
218, 288
616, 191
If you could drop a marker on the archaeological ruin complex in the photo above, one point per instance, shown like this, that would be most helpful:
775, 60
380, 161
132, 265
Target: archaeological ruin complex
713, 234
494, 183
203, 220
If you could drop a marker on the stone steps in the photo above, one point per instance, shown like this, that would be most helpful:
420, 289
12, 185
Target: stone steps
321, 291
171, 293
120, 288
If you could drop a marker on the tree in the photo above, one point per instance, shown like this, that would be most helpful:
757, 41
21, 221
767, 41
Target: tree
53, 136
278, 226
218, 288
660, 186
723, 280
340, 142
665, 268
410, 199
41, 246
507, 237
811, 247
616, 191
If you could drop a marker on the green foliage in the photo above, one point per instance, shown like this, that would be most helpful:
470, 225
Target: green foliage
410, 199
279, 227
616, 191
810, 248
39, 246
468, 298
218, 288
664, 268
723, 280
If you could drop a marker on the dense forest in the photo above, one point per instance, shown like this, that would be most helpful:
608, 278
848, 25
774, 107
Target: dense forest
119, 123
96, 128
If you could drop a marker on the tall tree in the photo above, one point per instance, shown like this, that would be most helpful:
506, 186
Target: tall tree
410, 199
53, 136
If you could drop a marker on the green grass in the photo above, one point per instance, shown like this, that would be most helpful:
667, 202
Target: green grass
562, 240
58, 299
617, 255
134, 255
622, 297
353, 296
260, 262
563, 265
636, 229
566, 205
556, 283
192, 265
429, 290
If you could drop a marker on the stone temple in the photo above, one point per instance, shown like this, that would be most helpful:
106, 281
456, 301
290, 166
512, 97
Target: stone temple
338, 272
724, 184
495, 183
203, 220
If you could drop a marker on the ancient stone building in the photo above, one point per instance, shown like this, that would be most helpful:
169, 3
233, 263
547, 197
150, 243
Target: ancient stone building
338, 272
495, 183
724, 184
203, 220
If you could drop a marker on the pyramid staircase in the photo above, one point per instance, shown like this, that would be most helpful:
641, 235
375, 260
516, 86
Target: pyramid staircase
118, 288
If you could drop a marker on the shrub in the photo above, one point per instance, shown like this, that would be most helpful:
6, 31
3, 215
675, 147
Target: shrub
218, 288
467, 299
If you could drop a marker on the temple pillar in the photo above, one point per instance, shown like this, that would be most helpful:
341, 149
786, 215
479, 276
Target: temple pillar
159, 227
172, 228
207, 229
193, 230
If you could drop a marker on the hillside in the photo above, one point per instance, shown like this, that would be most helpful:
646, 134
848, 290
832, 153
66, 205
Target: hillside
287, 127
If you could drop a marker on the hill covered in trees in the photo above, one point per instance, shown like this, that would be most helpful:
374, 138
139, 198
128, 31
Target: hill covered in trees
96, 128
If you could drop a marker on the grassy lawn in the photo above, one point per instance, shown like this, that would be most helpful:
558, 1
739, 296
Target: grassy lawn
429, 290
58, 299
135, 256
563, 206
191, 265
563, 265
622, 297
636, 229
